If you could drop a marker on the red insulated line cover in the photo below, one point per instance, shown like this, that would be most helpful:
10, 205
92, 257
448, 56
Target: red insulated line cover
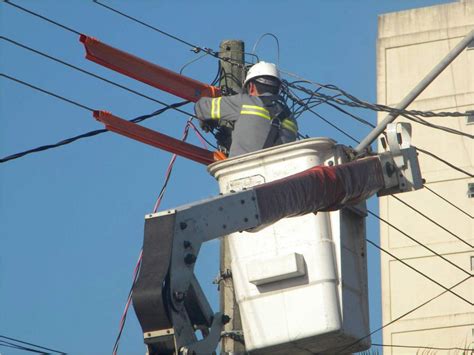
146, 72
322, 188
155, 139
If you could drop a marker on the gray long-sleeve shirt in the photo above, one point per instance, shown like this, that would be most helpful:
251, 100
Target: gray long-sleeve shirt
251, 117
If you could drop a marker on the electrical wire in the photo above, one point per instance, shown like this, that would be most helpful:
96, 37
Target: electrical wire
139, 261
195, 48
47, 92
448, 202
409, 114
277, 43
353, 101
444, 161
42, 17
418, 242
422, 347
19, 347
421, 273
88, 73
147, 25
379, 107
299, 101
404, 314
127, 304
80, 136
433, 221
30, 344
191, 62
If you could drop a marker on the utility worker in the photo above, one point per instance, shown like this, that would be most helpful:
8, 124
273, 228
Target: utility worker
258, 119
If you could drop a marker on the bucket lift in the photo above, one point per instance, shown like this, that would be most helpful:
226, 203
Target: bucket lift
168, 300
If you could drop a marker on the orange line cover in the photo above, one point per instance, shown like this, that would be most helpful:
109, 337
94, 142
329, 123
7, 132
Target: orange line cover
146, 72
155, 139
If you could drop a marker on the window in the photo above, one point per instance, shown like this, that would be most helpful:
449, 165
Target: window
470, 117
470, 190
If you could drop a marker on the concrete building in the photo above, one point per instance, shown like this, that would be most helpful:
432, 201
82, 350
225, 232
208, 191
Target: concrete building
410, 44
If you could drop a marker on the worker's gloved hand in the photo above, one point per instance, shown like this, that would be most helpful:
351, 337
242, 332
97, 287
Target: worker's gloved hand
207, 125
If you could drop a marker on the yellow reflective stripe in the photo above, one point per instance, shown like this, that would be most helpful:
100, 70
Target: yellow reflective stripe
255, 108
216, 108
289, 125
255, 113
218, 113
213, 101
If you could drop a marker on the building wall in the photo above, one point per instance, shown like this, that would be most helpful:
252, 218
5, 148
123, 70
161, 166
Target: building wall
410, 44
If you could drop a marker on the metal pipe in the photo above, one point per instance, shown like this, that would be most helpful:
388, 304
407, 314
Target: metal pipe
417, 90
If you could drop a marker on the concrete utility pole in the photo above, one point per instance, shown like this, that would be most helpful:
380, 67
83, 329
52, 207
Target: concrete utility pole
231, 79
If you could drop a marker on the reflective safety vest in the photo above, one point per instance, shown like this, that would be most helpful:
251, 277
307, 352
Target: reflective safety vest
256, 122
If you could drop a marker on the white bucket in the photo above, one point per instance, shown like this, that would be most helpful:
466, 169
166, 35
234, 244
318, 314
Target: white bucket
301, 283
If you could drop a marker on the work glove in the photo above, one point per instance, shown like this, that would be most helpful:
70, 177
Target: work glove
207, 125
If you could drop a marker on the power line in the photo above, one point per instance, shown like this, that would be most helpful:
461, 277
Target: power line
139, 261
196, 49
90, 73
31, 344
419, 243
433, 221
444, 161
83, 135
150, 26
448, 202
404, 314
421, 347
43, 17
419, 272
7, 344
296, 99
47, 92
355, 102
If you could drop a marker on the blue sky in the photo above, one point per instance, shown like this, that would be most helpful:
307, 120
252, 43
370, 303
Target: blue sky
71, 219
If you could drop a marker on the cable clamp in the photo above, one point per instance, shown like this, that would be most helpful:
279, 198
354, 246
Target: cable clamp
222, 276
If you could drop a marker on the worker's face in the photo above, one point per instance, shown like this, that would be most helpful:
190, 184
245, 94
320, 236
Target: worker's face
252, 89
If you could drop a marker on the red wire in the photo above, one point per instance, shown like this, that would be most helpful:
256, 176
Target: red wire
157, 204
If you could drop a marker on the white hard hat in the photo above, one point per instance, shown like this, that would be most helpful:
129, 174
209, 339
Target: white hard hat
262, 69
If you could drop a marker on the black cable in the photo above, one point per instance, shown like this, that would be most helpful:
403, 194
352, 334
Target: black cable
433, 221
195, 48
47, 92
122, 325
84, 135
355, 102
81, 136
448, 202
418, 242
432, 125
361, 120
444, 161
89, 73
404, 315
42, 17
19, 347
299, 101
147, 25
421, 273
31, 344
420, 347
